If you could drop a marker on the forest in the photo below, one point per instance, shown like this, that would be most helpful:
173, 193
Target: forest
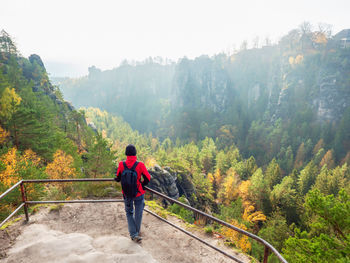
275, 101
306, 210
262, 135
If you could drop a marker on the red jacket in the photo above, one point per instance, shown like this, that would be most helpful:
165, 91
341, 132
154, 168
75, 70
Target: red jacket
140, 169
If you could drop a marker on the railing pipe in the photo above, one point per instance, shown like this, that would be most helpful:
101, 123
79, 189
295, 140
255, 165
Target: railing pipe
193, 236
74, 201
10, 189
69, 180
12, 214
266, 244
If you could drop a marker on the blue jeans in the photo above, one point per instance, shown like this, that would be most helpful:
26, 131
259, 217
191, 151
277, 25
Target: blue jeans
134, 217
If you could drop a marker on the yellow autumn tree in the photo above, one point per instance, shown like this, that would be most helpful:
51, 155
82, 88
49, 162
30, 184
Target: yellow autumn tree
253, 216
9, 176
346, 159
319, 145
215, 179
15, 164
229, 188
61, 167
150, 162
9, 102
3, 135
243, 192
250, 214
328, 160
31, 156
319, 38
239, 240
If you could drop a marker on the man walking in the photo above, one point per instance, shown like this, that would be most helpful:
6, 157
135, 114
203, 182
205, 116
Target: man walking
129, 174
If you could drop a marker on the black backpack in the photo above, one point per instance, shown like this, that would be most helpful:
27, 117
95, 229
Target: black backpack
129, 181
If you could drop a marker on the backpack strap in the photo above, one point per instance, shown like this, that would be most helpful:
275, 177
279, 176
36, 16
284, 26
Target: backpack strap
134, 166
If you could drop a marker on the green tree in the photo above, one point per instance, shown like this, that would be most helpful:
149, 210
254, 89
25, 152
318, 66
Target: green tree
207, 155
307, 178
284, 198
259, 192
329, 236
100, 159
330, 181
275, 231
273, 173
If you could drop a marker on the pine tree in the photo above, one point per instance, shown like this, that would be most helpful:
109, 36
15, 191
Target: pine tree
273, 173
100, 159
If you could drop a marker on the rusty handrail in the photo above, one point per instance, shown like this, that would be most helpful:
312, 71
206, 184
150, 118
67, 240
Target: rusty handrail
268, 246
10, 189
259, 239
11, 215
18, 208
193, 236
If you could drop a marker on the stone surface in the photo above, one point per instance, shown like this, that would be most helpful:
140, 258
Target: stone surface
172, 183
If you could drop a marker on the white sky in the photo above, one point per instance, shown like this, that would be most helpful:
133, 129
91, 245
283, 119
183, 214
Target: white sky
104, 32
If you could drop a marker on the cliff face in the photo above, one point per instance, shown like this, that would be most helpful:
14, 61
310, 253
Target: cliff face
171, 183
163, 181
331, 101
202, 83
327, 96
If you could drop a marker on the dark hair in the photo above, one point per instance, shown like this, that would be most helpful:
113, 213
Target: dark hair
130, 150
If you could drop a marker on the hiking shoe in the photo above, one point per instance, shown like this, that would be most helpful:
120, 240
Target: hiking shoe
137, 239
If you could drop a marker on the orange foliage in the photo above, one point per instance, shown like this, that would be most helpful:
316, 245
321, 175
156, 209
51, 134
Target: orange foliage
319, 38
61, 167
3, 135
328, 160
251, 216
243, 192
229, 189
346, 159
215, 179
9, 176
318, 146
150, 162
241, 241
14, 164
29, 155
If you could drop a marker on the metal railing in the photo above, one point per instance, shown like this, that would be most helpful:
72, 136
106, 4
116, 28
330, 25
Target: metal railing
268, 247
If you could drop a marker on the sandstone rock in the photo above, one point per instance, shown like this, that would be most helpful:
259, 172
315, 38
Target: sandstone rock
173, 184
163, 181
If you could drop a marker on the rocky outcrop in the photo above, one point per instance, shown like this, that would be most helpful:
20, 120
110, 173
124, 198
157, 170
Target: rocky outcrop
185, 186
331, 102
163, 181
173, 184
201, 83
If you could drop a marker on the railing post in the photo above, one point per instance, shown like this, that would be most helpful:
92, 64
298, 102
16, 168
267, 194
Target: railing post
24, 199
266, 254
